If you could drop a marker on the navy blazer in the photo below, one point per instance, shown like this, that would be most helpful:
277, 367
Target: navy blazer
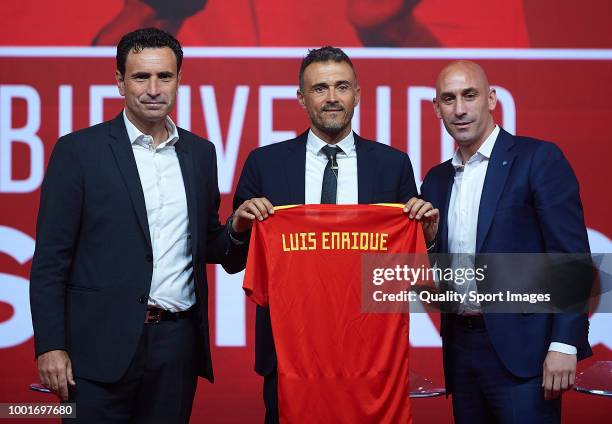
92, 267
530, 203
278, 172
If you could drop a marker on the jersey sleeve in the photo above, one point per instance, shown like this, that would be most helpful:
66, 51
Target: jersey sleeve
255, 283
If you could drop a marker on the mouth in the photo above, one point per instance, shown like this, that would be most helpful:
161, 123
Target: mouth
154, 105
462, 125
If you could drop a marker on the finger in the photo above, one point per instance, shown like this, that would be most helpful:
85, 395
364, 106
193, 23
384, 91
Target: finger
415, 208
426, 206
242, 213
565, 384
269, 206
572, 379
62, 385
53, 384
432, 213
44, 377
69, 374
556, 386
251, 207
548, 381
546, 384
409, 204
260, 206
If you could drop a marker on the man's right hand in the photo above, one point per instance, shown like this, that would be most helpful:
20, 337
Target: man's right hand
257, 208
425, 213
55, 372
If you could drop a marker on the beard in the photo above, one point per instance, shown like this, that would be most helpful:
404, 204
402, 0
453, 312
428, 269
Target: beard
330, 125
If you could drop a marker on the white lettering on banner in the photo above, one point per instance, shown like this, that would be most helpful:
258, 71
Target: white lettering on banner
65, 110
230, 309
183, 107
26, 135
227, 153
267, 95
15, 290
383, 115
416, 96
97, 94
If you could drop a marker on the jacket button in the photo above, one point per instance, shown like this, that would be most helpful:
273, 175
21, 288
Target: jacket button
149, 258
143, 299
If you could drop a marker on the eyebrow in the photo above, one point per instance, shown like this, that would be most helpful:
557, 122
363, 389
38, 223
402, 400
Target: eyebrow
163, 74
464, 91
337, 83
469, 90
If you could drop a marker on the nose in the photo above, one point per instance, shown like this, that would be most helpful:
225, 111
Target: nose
332, 95
460, 108
153, 87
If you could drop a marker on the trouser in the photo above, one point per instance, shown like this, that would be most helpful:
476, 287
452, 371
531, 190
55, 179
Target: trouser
158, 387
270, 395
484, 391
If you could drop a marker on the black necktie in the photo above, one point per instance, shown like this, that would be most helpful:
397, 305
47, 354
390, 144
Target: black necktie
329, 189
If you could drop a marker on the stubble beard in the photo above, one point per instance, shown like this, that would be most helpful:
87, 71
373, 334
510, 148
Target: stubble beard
331, 127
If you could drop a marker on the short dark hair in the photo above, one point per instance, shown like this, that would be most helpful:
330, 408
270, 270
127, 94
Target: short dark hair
324, 54
145, 38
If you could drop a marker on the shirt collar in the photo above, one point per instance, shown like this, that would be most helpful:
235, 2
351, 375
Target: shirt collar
484, 151
135, 135
315, 144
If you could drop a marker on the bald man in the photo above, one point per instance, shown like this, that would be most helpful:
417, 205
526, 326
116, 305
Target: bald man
503, 194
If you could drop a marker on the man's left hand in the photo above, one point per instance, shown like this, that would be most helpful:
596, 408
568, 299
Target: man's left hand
559, 374
256, 208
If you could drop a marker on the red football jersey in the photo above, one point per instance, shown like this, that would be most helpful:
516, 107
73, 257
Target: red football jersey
335, 363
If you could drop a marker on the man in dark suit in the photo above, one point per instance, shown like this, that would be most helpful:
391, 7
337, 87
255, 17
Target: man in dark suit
503, 194
326, 164
128, 220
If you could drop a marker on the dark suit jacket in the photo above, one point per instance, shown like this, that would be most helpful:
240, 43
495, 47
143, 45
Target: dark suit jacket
530, 203
278, 172
92, 267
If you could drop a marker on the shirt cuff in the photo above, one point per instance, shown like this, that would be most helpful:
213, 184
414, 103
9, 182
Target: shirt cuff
563, 348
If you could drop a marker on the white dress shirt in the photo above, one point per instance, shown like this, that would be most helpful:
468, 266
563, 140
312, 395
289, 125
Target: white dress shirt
172, 286
463, 219
463, 213
347, 193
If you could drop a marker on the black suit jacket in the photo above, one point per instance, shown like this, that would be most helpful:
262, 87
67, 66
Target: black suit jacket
92, 267
530, 203
278, 172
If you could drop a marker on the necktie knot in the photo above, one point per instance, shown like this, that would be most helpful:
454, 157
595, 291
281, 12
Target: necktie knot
330, 152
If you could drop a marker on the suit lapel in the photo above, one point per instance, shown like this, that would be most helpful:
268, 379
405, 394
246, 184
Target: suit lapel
186, 162
295, 166
366, 169
495, 180
124, 156
448, 179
